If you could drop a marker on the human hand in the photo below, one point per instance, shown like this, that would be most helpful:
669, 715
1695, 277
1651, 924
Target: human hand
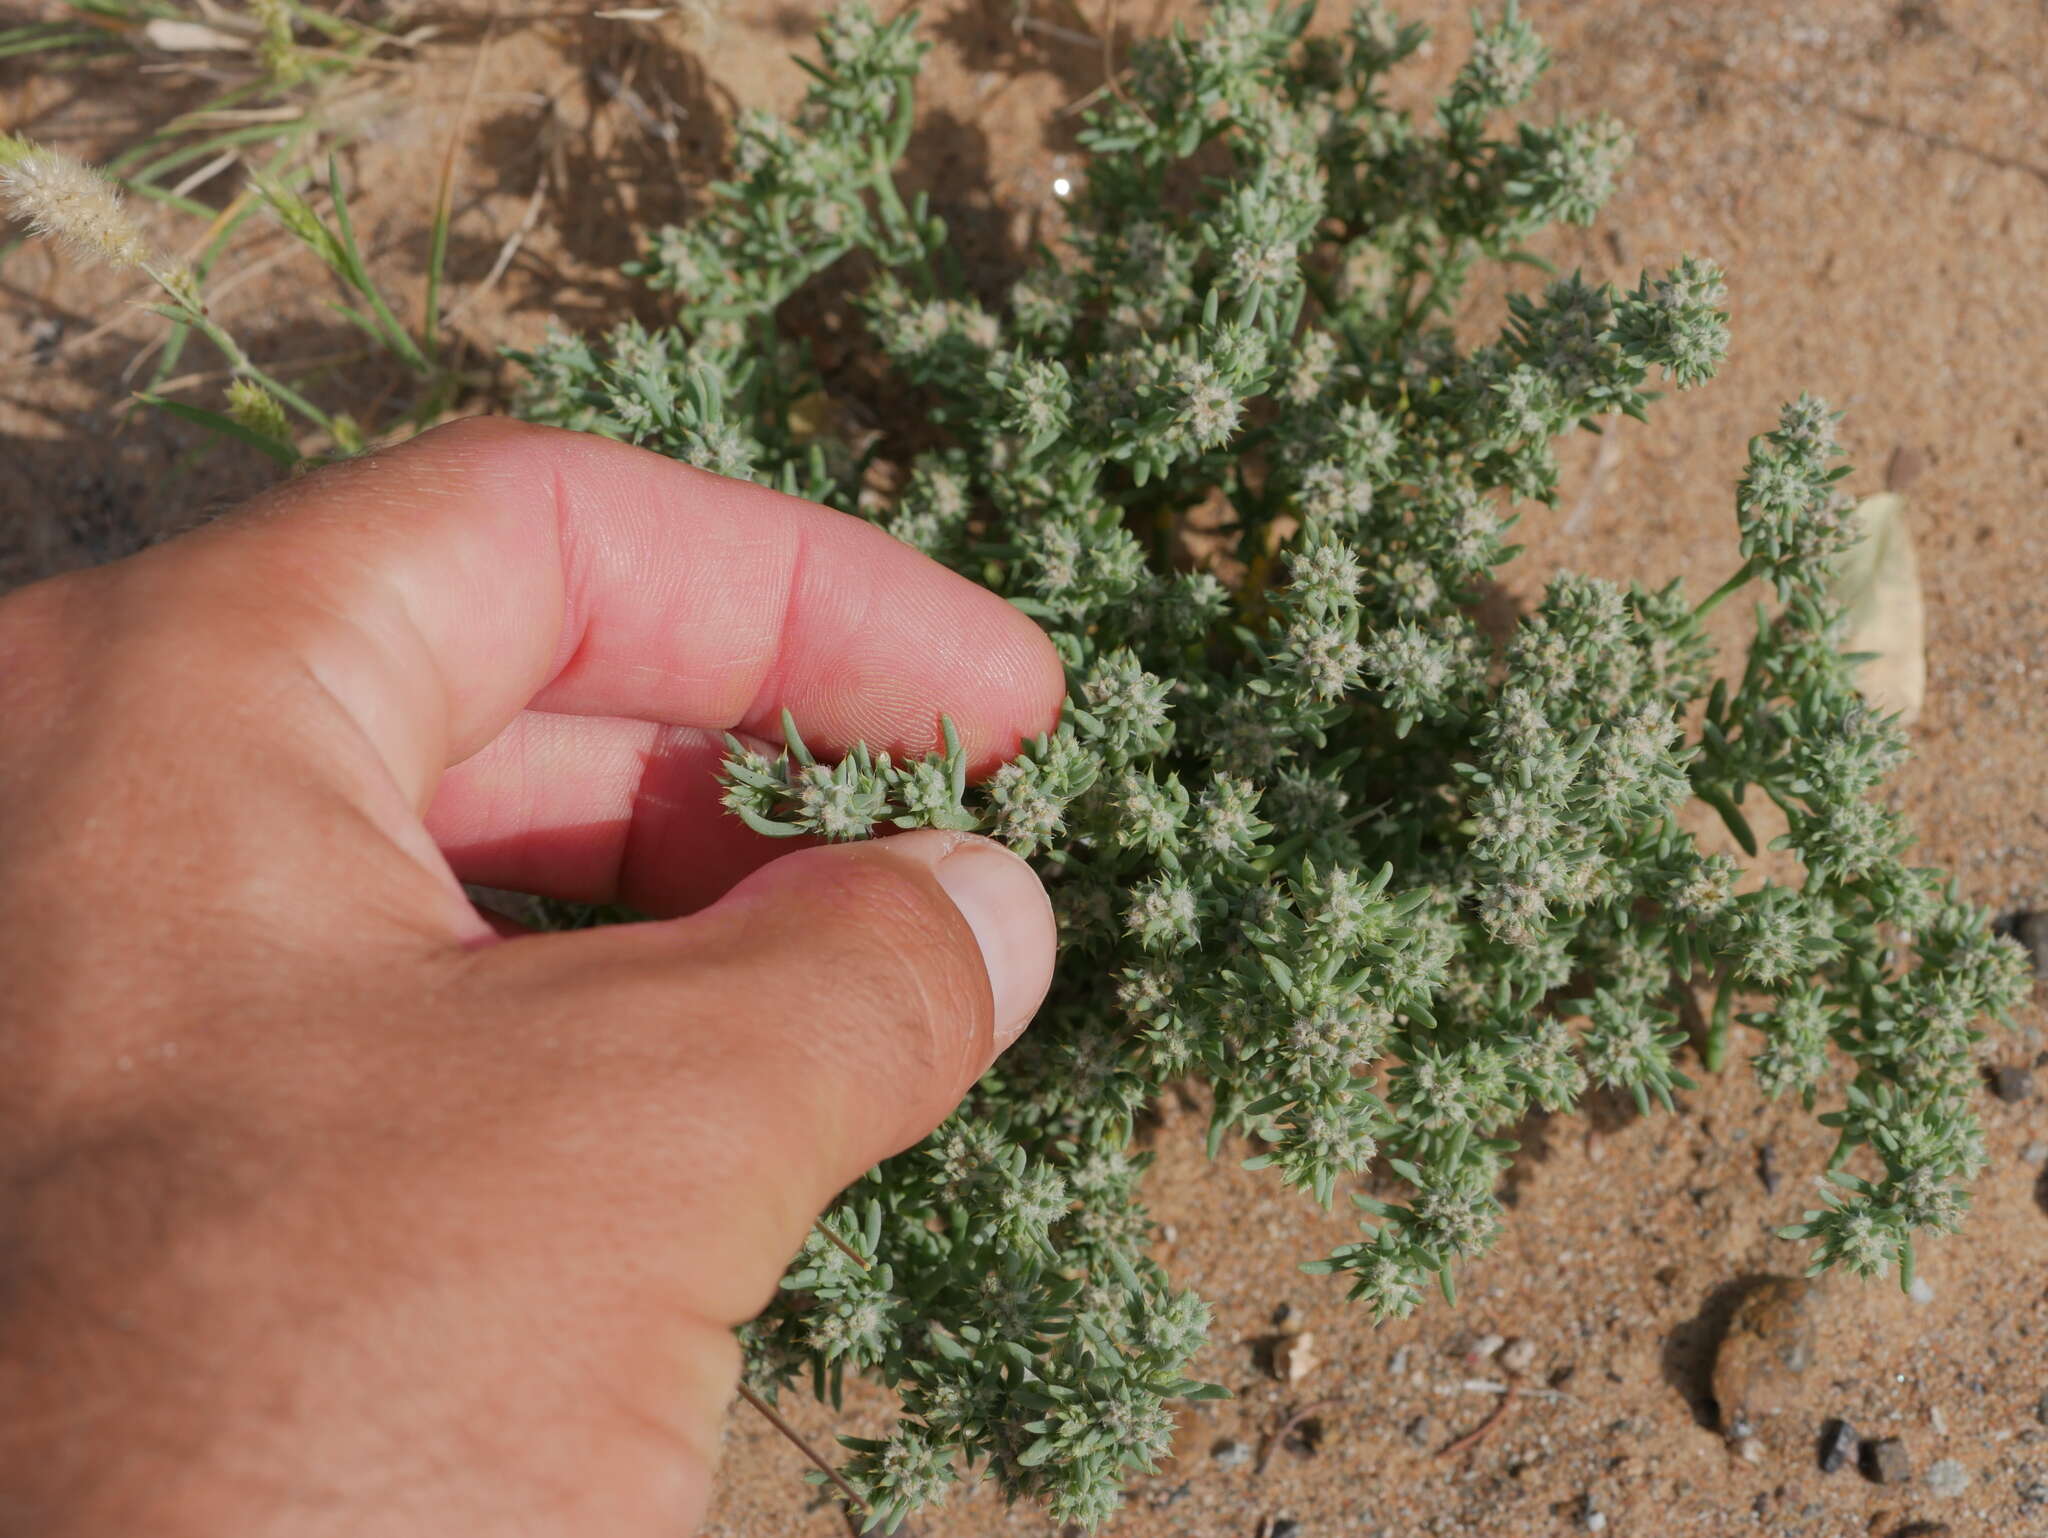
325, 1207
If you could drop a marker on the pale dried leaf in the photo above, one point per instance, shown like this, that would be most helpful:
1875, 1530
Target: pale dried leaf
1878, 586
1294, 1357
173, 36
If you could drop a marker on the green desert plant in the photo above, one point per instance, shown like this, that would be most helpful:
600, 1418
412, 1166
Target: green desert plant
1383, 883
1386, 886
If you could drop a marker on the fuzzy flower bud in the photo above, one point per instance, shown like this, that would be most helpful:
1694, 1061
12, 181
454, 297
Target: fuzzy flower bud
1505, 63
70, 202
255, 408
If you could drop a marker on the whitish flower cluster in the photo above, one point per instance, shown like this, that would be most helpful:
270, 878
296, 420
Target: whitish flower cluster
71, 202
1380, 884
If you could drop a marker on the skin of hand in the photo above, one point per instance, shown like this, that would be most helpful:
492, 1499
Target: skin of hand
328, 1206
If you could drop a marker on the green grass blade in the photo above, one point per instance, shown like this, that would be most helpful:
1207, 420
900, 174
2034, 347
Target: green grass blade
197, 149
357, 318
184, 205
226, 426
395, 336
437, 256
16, 41
202, 265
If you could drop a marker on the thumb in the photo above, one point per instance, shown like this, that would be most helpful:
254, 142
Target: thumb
887, 976
827, 1012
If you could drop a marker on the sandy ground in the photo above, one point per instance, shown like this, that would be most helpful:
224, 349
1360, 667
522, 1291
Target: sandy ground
1874, 175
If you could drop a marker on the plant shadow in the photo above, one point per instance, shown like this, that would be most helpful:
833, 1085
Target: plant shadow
95, 474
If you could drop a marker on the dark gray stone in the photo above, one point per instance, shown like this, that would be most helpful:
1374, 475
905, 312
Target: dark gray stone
1231, 1453
1886, 1461
2012, 1084
2031, 930
1837, 1446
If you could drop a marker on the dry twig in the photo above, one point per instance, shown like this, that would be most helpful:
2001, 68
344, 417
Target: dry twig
842, 1246
510, 249
1478, 1433
795, 1438
1278, 1435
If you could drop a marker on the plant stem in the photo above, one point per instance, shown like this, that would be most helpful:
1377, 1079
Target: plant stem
795, 1439
1478, 1433
839, 1244
897, 217
444, 200
1714, 1052
238, 360
356, 275
1713, 600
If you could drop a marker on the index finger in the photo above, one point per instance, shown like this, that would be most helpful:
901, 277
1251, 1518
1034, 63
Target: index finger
440, 588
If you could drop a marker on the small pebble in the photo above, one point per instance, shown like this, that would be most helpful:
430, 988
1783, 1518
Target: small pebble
1947, 1478
1294, 1357
1483, 1348
1591, 1517
1922, 1291
1749, 1449
1886, 1462
2012, 1085
1231, 1454
1770, 1341
1420, 1431
2031, 930
1518, 1355
1837, 1445
2035, 1153
1398, 1362
1938, 1420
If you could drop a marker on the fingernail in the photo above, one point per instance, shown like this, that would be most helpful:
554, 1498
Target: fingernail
1006, 907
